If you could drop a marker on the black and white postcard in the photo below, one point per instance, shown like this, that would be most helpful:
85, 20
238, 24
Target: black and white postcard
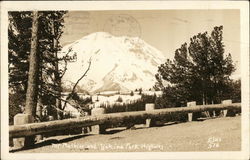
125, 80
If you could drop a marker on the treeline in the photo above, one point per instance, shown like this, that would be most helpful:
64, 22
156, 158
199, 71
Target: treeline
137, 105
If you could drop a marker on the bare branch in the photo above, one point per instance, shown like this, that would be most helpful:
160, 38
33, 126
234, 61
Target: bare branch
73, 90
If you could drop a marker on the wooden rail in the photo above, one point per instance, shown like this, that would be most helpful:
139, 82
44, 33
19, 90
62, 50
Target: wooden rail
112, 118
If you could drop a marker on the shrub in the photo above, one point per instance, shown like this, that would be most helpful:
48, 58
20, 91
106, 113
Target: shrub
131, 93
15, 100
148, 98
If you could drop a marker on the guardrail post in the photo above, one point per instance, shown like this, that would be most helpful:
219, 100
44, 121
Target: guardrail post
225, 102
190, 115
86, 129
97, 129
214, 114
149, 107
24, 141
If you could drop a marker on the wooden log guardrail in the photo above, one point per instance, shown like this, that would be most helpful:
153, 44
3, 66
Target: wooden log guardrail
30, 129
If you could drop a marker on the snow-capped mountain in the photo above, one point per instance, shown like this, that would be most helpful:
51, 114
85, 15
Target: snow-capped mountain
117, 63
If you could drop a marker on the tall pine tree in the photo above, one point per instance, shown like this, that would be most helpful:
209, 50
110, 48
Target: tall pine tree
50, 24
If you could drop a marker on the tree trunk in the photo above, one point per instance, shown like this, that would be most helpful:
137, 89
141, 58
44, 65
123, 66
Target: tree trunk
39, 109
39, 99
32, 90
58, 81
58, 101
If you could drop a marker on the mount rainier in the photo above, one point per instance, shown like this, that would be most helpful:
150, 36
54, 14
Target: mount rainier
117, 63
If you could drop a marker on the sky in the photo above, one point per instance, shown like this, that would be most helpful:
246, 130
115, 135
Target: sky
165, 30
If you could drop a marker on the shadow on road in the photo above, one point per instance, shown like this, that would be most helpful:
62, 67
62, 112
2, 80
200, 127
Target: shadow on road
49, 142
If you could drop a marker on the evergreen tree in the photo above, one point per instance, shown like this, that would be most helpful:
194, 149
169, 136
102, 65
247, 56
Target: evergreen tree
140, 91
119, 99
131, 93
199, 71
50, 24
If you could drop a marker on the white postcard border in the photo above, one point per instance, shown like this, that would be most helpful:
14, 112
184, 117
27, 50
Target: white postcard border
127, 5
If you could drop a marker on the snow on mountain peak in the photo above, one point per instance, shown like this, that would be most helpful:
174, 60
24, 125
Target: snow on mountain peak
117, 63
